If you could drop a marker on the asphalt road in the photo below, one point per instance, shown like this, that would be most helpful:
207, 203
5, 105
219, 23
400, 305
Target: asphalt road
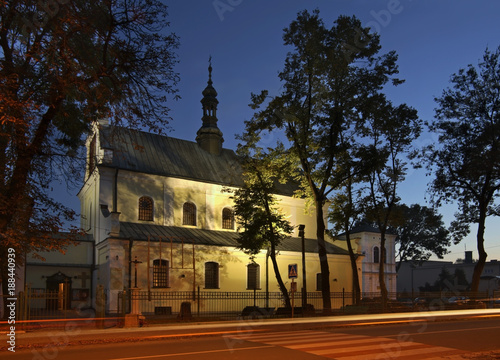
402, 338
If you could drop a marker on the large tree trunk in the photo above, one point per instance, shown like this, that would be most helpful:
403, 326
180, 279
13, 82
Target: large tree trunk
478, 268
4, 280
381, 272
354, 267
323, 258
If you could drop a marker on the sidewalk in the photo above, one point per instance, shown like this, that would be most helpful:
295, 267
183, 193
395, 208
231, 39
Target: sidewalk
75, 334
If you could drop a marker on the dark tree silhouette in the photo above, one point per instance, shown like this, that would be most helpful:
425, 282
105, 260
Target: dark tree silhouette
63, 66
466, 162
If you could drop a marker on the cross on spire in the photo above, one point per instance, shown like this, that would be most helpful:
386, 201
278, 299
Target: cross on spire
210, 70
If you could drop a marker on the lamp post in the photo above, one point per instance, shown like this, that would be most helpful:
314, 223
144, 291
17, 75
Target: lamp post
304, 281
267, 278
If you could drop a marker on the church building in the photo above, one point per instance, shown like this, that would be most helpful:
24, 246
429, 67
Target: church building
162, 219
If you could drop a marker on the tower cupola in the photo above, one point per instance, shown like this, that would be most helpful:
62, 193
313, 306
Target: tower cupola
209, 136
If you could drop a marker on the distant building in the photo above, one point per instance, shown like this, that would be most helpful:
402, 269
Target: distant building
412, 278
70, 272
366, 241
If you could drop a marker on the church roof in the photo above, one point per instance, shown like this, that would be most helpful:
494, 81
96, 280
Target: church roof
139, 231
164, 155
154, 154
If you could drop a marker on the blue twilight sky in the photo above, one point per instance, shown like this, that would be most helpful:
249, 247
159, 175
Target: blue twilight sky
432, 38
244, 37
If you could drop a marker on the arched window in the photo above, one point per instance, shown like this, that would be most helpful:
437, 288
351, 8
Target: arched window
160, 274
146, 208
227, 218
376, 255
211, 275
253, 276
189, 214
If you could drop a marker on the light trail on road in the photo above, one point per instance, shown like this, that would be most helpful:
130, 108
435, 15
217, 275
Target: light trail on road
193, 353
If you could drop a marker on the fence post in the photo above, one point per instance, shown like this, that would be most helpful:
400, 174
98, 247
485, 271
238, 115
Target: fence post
198, 309
124, 304
27, 303
66, 299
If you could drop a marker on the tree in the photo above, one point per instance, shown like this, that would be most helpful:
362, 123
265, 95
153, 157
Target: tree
466, 160
391, 133
347, 208
421, 233
330, 76
344, 214
63, 65
264, 226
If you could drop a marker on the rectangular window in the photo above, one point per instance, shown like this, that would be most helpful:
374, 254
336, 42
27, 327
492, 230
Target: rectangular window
160, 274
146, 208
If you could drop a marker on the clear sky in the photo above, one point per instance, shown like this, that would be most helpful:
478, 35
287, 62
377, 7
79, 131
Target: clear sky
244, 37
432, 38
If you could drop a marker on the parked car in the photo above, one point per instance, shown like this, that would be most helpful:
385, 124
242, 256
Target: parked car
458, 300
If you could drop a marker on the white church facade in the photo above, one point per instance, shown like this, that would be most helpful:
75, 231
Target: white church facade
162, 220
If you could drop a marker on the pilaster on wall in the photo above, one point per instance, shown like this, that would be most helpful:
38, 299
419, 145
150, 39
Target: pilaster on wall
168, 208
209, 211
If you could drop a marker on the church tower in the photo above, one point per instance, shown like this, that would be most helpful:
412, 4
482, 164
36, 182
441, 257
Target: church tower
209, 137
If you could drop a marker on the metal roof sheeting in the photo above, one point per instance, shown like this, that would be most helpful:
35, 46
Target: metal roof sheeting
154, 154
167, 156
140, 232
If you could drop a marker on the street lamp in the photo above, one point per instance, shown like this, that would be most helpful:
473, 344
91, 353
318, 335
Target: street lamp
304, 281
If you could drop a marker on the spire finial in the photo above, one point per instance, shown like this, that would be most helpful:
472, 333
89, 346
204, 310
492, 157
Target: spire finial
210, 69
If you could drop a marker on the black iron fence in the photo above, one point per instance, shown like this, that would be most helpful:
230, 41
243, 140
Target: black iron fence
35, 305
222, 303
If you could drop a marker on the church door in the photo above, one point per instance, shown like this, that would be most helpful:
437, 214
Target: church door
58, 291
